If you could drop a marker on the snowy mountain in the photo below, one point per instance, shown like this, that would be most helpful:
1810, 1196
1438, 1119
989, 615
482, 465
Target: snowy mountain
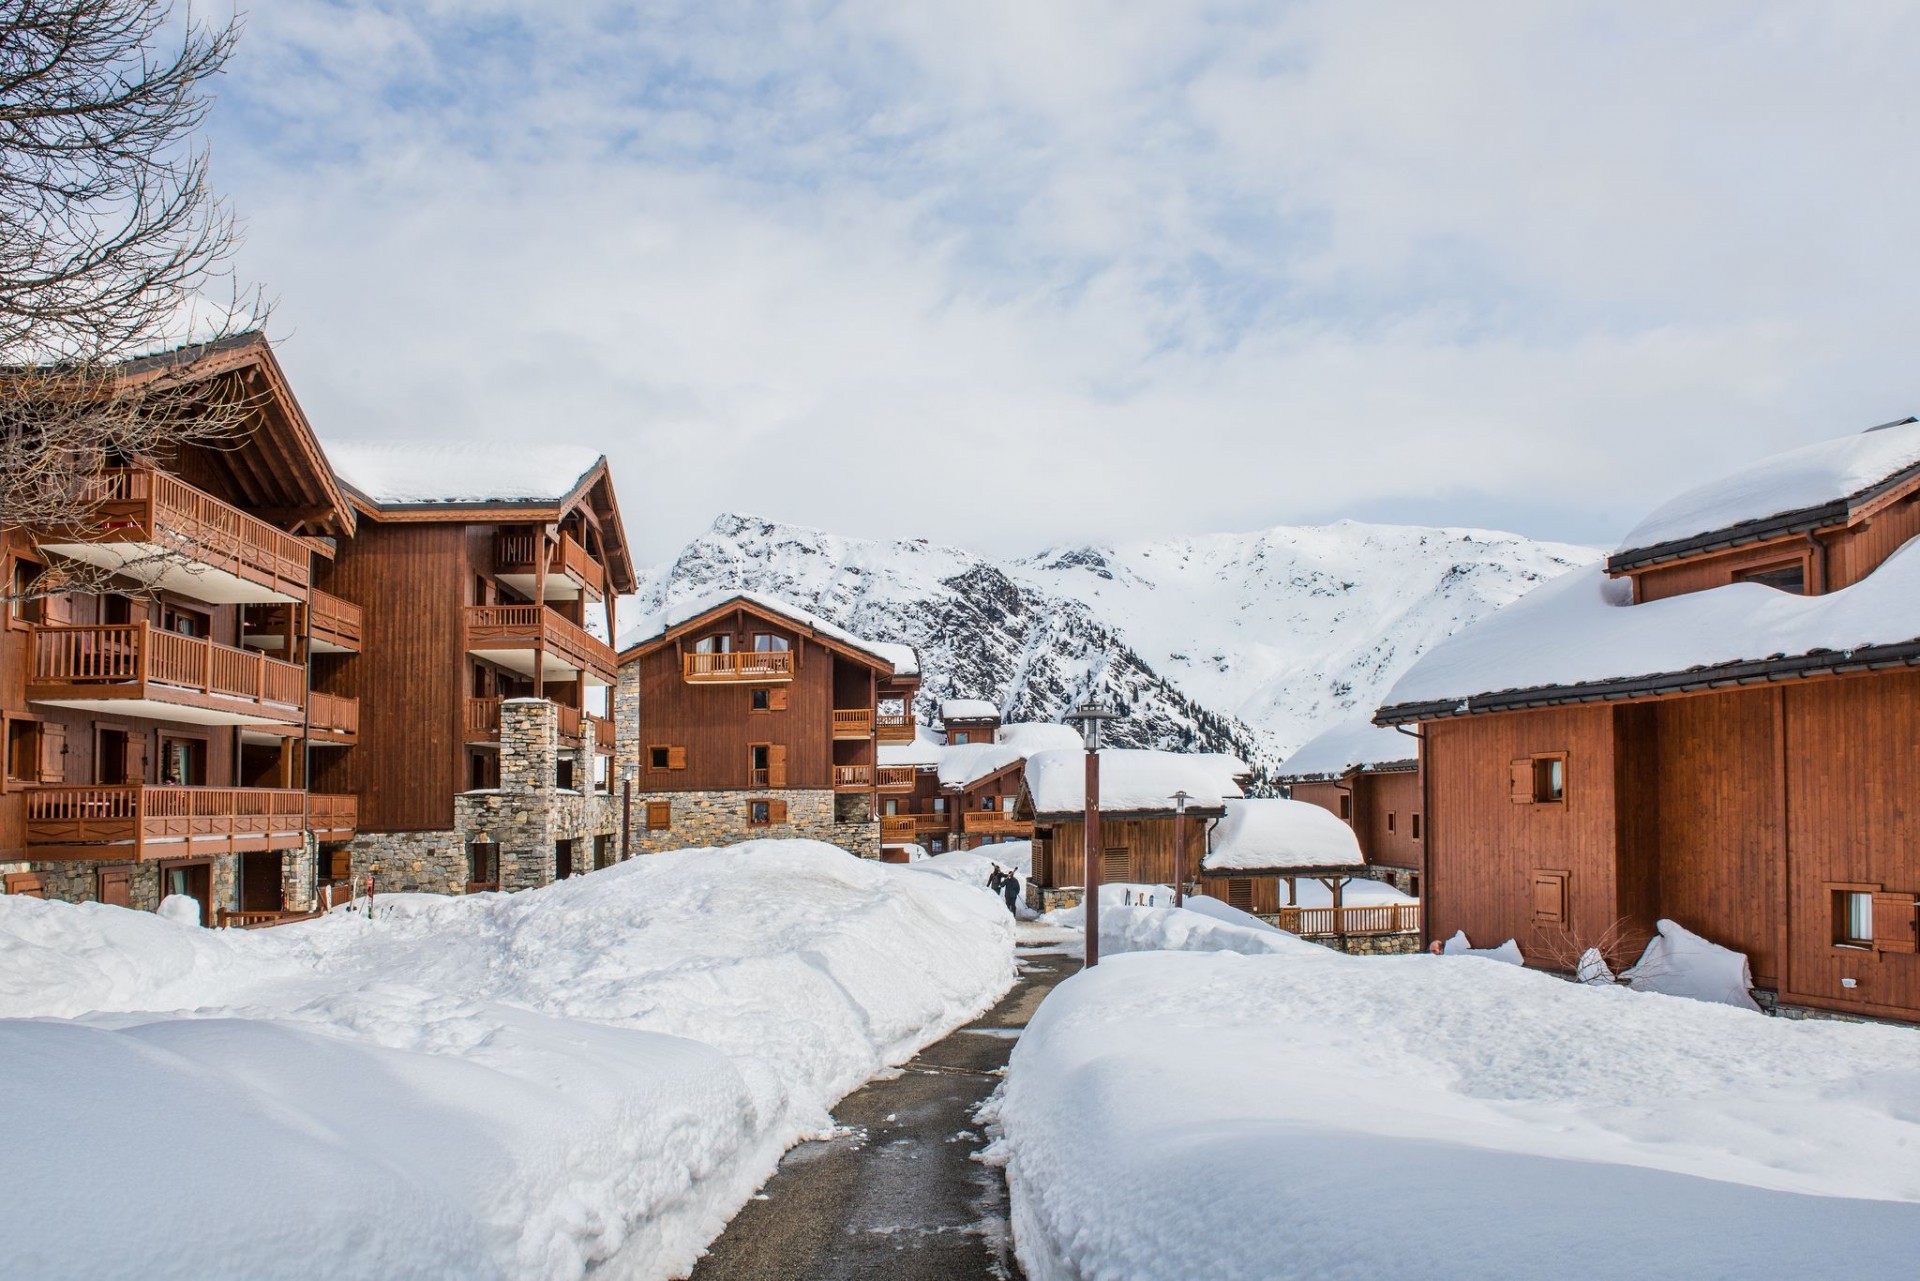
1243, 643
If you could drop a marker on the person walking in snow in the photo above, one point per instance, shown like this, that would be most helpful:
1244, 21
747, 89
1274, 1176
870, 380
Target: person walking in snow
996, 878
1010, 890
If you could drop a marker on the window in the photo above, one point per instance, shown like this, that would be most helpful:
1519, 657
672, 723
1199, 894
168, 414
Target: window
769, 643
759, 764
718, 643
483, 865
186, 622
1346, 806
1240, 893
1416, 827
183, 762
1390, 822
663, 757
759, 813
23, 751
1790, 577
760, 700
988, 803
1538, 780
961, 736
483, 771
602, 852
563, 773
1853, 918
26, 607
562, 860
659, 816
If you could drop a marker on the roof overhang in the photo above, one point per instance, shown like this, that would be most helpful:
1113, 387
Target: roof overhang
744, 604
1344, 869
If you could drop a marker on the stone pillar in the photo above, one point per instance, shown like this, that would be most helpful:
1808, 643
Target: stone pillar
626, 726
584, 762
529, 744
522, 814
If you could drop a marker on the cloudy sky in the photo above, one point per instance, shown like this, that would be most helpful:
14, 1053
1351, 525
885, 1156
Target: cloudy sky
1011, 274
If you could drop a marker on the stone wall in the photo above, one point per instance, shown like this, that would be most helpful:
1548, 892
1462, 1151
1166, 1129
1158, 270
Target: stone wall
410, 862
626, 726
720, 818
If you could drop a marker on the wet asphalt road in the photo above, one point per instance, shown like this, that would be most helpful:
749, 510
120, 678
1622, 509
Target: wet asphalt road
901, 1197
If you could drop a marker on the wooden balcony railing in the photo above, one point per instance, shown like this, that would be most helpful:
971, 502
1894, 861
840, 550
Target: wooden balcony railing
483, 724
1378, 918
852, 778
602, 732
483, 720
906, 829
744, 666
333, 816
894, 727
336, 620
142, 505
335, 624
333, 718
759, 778
897, 777
143, 822
515, 552
141, 661
525, 627
993, 823
259, 920
852, 723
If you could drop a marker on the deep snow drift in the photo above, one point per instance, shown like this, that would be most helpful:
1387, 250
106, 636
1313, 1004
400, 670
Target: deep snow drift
1306, 1114
596, 1073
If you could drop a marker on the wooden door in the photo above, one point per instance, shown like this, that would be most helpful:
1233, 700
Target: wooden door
116, 886
260, 885
110, 756
53, 752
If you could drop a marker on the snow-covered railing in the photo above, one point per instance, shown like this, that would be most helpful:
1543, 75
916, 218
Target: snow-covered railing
1372, 918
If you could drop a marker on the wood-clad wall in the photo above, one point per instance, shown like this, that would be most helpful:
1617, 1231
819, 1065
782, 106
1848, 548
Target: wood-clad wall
412, 580
1839, 559
1148, 842
1857, 552
1386, 804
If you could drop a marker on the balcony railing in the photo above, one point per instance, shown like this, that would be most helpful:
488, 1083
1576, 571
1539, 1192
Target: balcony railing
515, 551
333, 718
897, 777
602, 732
1377, 918
141, 661
483, 720
143, 822
993, 823
336, 625
758, 666
337, 621
852, 723
906, 829
852, 778
483, 723
894, 727
142, 505
528, 627
333, 816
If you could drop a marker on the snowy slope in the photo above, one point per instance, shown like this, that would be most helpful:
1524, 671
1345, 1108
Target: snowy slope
1238, 643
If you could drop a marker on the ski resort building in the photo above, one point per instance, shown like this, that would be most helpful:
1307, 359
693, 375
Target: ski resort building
743, 716
963, 793
170, 680
1721, 729
483, 742
1368, 776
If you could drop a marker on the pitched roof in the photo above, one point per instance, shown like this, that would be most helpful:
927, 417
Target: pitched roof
968, 709
1132, 781
1262, 834
1349, 745
902, 660
1815, 486
405, 473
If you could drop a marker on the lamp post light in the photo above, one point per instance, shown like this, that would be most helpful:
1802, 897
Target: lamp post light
1089, 718
1179, 844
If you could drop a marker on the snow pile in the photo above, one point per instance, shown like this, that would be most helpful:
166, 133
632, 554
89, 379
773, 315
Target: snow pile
1267, 833
968, 709
1132, 781
1348, 746
1582, 627
1188, 929
1458, 945
1681, 963
967, 763
1810, 476
904, 658
592, 1075
393, 472
1188, 1114
922, 753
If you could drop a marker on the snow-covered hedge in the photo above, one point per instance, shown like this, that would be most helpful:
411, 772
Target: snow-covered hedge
505, 1085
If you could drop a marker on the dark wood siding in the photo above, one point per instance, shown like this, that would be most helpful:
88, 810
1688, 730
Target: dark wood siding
1148, 842
716, 723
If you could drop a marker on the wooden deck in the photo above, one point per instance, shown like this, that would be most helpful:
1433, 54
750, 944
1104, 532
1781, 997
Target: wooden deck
515, 556
993, 823
333, 816
332, 625
333, 718
852, 778
138, 662
512, 635
907, 829
1381, 918
897, 778
893, 727
749, 667
852, 723
137, 822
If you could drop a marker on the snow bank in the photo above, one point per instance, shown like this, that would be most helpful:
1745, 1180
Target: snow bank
1263, 833
1178, 929
424, 471
1582, 627
1681, 963
594, 1075
1810, 476
1458, 945
1132, 780
1347, 746
1184, 1114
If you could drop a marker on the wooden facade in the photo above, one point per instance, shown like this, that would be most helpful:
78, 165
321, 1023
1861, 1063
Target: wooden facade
1136, 849
1382, 805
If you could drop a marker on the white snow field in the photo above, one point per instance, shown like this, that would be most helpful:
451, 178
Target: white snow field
1206, 1114
591, 1076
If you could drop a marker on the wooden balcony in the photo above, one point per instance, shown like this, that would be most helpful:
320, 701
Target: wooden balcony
1379, 918
333, 817
897, 778
333, 718
602, 733
743, 668
993, 823
483, 720
137, 669
909, 829
854, 723
483, 724
336, 625
852, 778
156, 528
571, 569
526, 638
893, 727
136, 822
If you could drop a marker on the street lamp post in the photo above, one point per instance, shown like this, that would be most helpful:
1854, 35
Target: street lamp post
1179, 844
1089, 717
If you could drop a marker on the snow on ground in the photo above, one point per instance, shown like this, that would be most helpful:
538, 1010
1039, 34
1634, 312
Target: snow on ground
1308, 1114
595, 1075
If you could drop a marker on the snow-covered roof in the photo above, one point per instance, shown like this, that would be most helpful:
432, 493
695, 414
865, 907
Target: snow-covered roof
922, 753
1263, 833
1347, 746
904, 659
1228, 764
401, 472
968, 709
1581, 628
1809, 477
1038, 736
1132, 781
964, 764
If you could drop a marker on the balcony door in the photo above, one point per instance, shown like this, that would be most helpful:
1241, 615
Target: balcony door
111, 752
195, 881
719, 643
183, 762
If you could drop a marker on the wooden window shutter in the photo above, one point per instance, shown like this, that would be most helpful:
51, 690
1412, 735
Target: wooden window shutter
1116, 865
1520, 781
1240, 893
659, 816
676, 758
1896, 923
53, 752
776, 811
116, 887
137, 756
1550, 898
777, 699
28, 883
777, 765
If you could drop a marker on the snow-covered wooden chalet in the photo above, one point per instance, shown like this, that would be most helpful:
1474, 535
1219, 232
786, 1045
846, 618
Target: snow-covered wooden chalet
1369, 776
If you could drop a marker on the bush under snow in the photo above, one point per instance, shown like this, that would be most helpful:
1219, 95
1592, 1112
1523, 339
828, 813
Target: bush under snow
597, 1074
